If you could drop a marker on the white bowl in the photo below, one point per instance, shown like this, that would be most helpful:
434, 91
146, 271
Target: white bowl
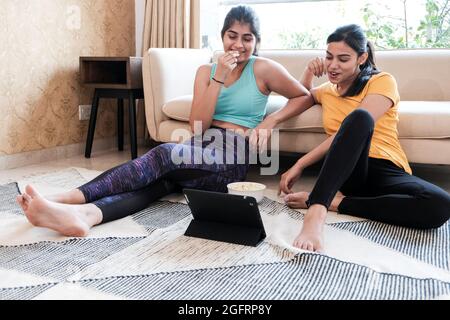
249, 189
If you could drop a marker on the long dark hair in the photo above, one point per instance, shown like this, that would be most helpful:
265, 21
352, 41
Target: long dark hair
354, 37
244, 14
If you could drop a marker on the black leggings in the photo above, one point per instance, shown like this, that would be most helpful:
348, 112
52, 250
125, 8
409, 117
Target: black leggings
376, 189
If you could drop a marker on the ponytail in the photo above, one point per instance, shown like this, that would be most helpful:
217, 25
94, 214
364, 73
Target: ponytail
368, 69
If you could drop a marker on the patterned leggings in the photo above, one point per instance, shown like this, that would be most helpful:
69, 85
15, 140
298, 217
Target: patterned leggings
133, 186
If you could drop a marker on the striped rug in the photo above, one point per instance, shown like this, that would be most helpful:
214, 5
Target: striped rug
147, 256
430, 246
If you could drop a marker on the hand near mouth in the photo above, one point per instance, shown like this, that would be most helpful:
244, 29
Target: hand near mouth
226, 63
317, 67
234, 53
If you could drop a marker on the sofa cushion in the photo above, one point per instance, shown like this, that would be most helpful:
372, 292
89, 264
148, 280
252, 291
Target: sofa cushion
311, 120
424, 119
418, 119
178, 108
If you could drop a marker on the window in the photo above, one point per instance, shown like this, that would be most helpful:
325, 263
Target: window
305, 24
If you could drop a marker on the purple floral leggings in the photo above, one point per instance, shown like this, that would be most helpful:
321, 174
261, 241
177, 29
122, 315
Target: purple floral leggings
133, 186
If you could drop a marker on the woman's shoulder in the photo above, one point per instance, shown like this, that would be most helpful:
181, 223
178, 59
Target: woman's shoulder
204, 73
325, 87
382, 81
265, 63
384, 84
264, 67
205, 69
382, 76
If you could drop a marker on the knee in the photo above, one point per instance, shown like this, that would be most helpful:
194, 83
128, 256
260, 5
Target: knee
438, 211
361, 119
162, 151
159, 156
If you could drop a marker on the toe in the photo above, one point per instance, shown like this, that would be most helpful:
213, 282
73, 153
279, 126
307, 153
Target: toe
26, 198
31, 191
19, 199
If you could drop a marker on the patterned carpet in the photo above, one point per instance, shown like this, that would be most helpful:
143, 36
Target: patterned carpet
146, 256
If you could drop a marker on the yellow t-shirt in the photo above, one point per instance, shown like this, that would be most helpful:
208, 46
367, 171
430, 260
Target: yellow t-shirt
385, 143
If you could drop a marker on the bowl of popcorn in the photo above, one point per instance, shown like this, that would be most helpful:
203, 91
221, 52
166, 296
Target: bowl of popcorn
249, 189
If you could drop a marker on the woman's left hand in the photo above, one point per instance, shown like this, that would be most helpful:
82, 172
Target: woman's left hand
260, 136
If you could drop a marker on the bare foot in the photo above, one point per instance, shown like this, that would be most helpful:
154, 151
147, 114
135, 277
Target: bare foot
310, 237
69, 220
298, 201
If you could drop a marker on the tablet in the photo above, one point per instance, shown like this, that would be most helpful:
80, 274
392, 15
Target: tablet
224, 217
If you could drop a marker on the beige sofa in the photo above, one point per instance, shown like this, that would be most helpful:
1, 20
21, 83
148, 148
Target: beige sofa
423, 82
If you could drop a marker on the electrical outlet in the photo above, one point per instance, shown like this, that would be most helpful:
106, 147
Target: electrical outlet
84, 112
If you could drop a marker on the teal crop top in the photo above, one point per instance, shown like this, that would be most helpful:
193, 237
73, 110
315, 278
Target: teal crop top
242, 103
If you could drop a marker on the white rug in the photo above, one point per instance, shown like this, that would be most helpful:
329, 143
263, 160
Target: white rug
146, 256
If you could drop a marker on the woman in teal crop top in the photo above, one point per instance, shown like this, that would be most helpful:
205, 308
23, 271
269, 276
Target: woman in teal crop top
242, 103
230, 95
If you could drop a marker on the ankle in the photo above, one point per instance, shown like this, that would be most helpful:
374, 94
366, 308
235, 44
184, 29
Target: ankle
91, 214
317, 210
316, 215
336, 202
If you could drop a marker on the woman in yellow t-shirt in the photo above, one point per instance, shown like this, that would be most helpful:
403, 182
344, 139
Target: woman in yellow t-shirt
363, 156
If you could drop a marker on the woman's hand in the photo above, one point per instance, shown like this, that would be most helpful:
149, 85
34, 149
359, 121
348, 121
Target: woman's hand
260, 136
317, 67
289, 178
225, 64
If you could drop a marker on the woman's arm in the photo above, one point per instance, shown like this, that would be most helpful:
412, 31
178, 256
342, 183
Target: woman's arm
315, 68
277, 79
205, 99
293, 174
377, 105
206, 92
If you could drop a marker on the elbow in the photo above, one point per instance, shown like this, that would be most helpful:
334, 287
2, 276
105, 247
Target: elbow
310, 101
306, 90
304, 93
308, 95
197, 126
306, 100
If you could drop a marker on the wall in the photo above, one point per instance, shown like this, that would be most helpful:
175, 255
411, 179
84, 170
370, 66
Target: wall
41, 42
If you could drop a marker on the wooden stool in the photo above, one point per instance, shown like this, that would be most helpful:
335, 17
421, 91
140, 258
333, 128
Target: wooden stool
113, 77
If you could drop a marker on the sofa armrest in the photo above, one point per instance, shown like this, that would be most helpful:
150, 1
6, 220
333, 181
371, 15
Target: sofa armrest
167, 74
